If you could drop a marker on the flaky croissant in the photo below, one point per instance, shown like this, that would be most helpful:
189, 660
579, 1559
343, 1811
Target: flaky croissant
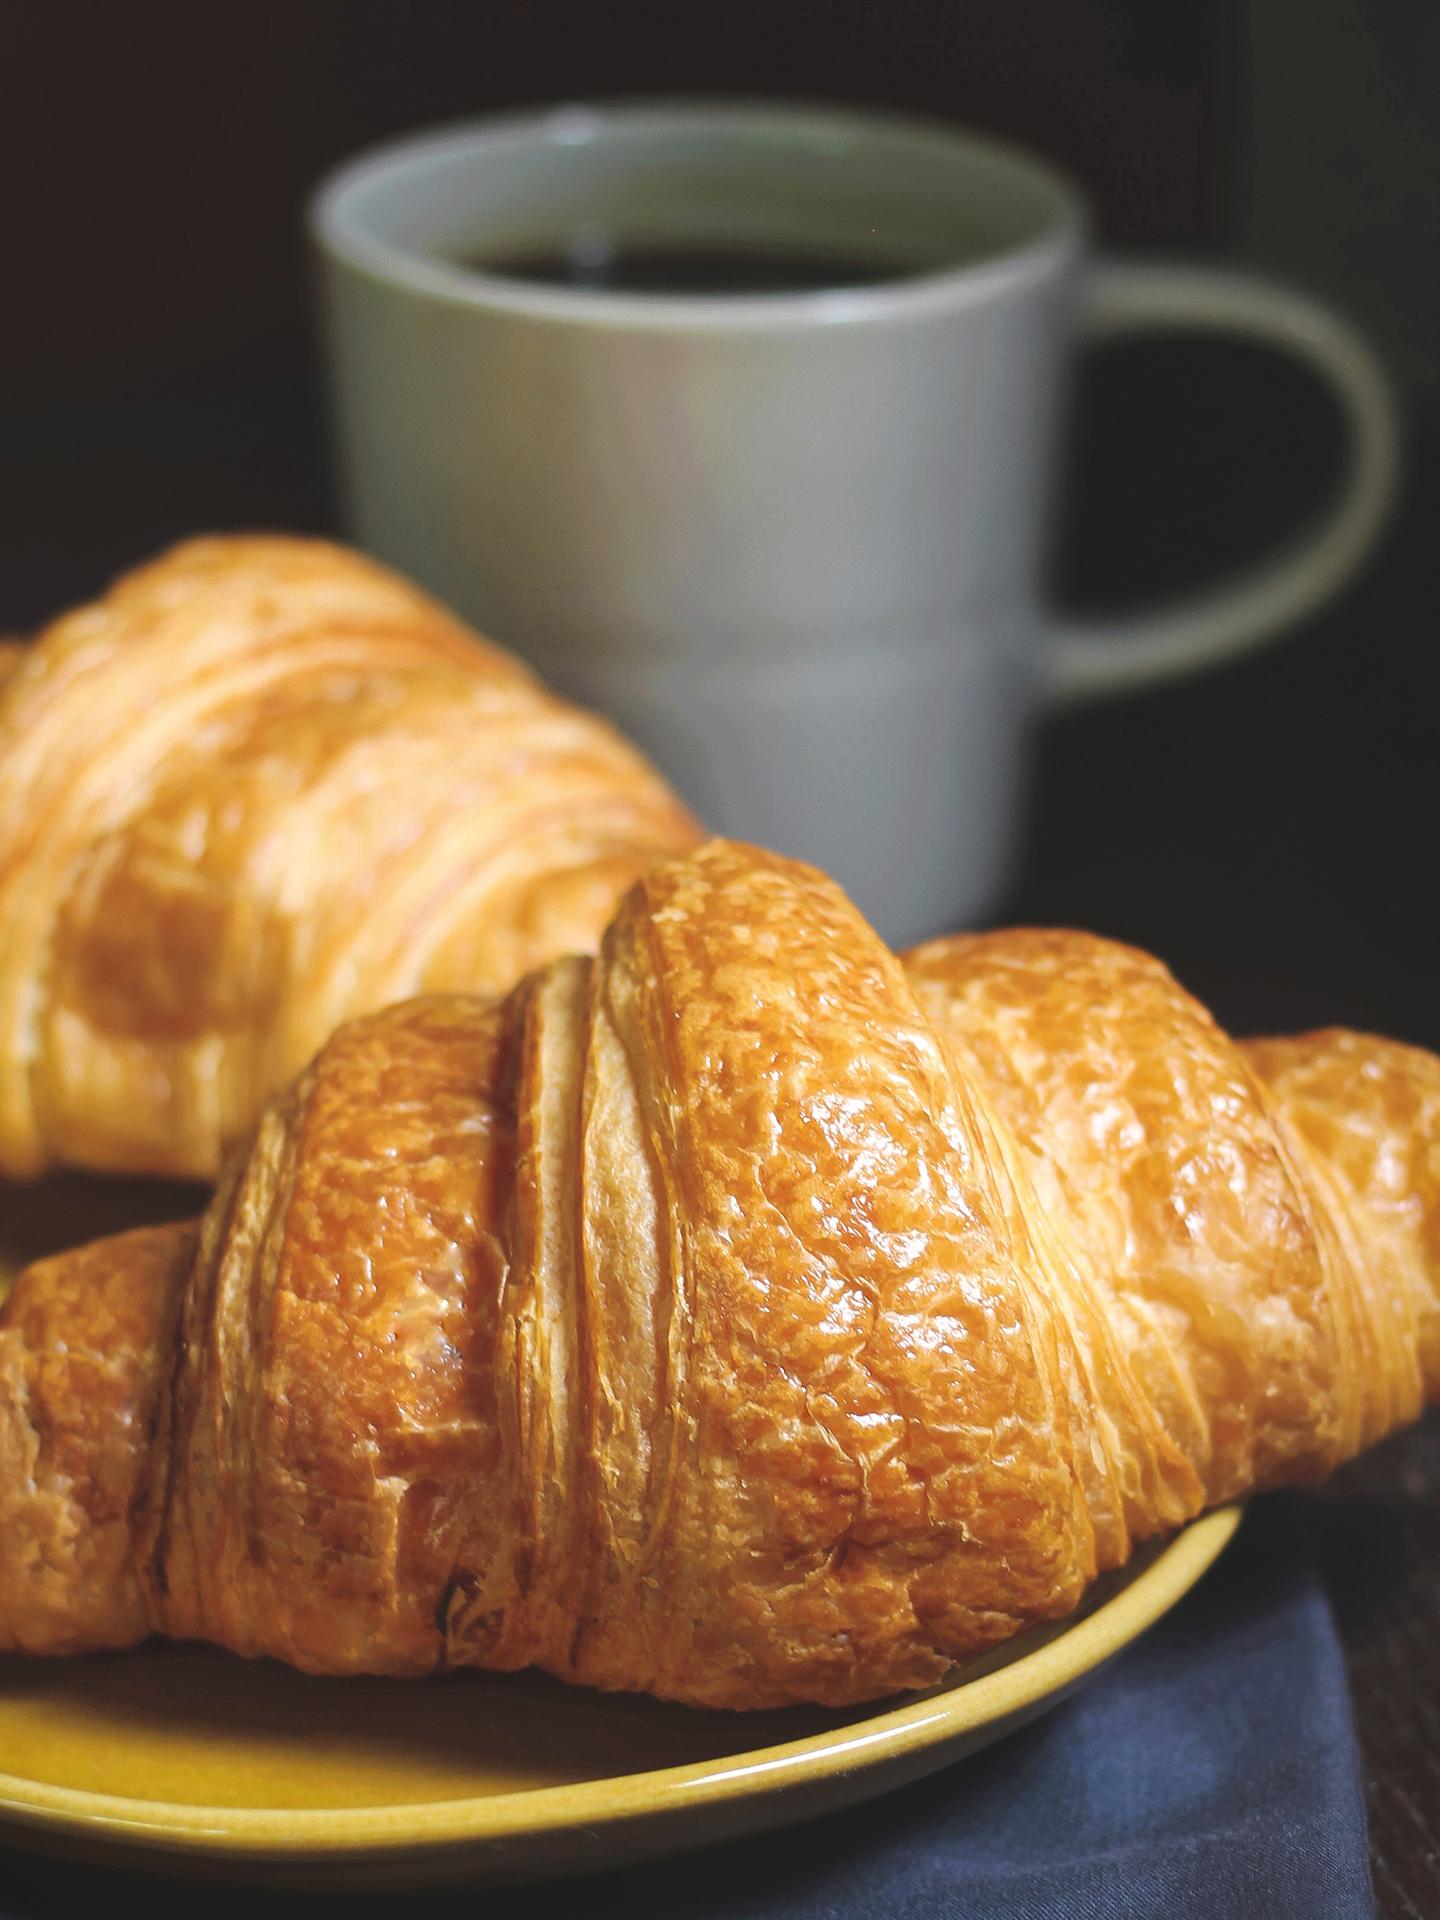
747, 1316
264, 785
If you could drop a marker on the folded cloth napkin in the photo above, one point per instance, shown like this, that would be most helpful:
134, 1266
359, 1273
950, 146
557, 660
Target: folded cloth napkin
1209, 1774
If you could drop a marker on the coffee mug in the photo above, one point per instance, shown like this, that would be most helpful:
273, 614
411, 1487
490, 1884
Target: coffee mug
790, 540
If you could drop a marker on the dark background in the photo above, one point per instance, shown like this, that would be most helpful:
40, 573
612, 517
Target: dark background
1271, 829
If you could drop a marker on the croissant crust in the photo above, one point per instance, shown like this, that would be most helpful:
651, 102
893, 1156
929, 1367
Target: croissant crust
746, 1316
264, 785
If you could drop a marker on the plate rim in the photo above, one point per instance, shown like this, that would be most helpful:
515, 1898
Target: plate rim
380, 1831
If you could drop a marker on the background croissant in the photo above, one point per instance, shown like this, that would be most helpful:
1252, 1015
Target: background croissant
259, 787
747, 1316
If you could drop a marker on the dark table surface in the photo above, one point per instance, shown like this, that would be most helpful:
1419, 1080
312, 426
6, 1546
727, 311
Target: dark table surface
1270, 830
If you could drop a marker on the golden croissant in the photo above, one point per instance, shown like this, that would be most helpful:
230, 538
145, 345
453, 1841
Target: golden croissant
746, 1316
261, 786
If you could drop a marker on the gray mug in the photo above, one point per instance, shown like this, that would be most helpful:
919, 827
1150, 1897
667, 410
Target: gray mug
792, 541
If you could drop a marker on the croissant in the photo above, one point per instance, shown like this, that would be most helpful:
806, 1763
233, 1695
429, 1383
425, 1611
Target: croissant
746, 1316
261, 786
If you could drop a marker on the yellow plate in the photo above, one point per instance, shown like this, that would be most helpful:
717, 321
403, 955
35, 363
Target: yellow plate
183, 1758
180, 1757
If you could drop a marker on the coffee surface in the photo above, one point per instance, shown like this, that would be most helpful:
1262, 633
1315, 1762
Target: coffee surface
719, 270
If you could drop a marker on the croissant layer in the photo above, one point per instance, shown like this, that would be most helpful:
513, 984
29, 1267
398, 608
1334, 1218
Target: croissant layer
746, 1316
262, 786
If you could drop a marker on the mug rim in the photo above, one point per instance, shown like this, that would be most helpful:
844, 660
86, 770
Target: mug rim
344, 236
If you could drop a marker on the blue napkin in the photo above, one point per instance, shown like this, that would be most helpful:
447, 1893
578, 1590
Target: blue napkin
1210, 1772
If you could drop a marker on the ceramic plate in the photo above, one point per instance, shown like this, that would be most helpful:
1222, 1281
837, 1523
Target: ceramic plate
183, 1758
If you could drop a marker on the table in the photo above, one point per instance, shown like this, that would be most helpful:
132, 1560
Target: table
1384, 1576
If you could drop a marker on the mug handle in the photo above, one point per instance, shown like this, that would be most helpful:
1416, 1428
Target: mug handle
1257, 604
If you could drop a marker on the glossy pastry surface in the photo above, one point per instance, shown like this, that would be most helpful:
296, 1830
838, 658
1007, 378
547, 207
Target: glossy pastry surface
264, 785
747, 1316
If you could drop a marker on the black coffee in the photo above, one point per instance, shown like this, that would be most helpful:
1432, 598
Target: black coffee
716, 270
